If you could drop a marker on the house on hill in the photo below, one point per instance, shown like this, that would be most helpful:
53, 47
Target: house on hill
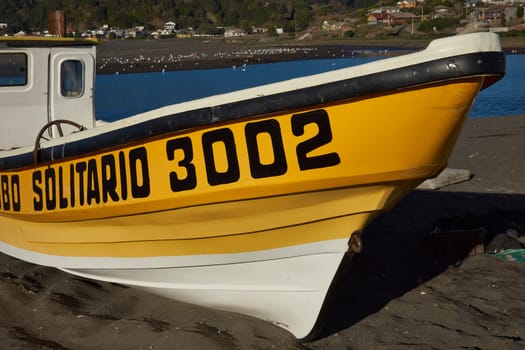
494, 15
382, 15
234, 32
169, 27
401, 18
407, 4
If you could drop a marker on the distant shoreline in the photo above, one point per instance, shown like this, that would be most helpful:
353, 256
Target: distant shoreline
147, 55
131, 66
138, 56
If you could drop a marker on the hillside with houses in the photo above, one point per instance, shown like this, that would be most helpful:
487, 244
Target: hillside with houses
238, 19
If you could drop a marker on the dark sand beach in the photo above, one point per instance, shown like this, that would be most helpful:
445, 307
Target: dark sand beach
404, 291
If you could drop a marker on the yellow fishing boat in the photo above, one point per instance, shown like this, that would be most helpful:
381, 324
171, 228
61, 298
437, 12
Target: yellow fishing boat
246, 201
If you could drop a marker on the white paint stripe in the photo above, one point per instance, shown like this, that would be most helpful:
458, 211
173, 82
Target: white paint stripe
324, 247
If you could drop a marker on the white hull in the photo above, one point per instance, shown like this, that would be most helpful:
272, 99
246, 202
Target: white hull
290, 290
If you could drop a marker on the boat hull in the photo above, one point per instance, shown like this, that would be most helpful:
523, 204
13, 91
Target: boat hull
288, 292
330, 146
249, 205
267, 247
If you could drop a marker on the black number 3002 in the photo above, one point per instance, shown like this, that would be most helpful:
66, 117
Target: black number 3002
187, 179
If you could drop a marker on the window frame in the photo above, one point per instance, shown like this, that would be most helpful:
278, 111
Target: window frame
76, 82
25, 66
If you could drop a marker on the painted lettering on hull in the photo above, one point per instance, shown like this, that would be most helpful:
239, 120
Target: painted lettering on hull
222, 142
93, 181
255, 150
10, 193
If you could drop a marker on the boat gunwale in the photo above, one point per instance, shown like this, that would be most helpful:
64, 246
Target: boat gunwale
384, 82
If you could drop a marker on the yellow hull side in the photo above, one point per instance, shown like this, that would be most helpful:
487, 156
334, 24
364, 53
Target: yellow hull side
379, 148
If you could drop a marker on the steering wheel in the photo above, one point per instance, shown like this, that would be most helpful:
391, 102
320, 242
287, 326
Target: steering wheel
58, 123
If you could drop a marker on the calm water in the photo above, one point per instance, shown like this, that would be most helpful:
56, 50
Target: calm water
507, 96
118, 96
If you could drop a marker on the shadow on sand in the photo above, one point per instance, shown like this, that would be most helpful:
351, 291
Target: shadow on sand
398, 255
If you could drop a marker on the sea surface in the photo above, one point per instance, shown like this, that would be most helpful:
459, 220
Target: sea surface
119, 96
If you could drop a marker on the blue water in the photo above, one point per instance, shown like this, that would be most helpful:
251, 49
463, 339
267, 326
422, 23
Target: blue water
507, 96
118, 96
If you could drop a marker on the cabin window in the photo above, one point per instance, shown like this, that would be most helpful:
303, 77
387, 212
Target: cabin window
72, 78
13, 69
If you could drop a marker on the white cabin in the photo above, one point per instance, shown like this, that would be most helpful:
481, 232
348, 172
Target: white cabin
43, 80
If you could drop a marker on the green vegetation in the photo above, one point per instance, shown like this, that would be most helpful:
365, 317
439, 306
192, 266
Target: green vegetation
438, 24
203, 15
212, 16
